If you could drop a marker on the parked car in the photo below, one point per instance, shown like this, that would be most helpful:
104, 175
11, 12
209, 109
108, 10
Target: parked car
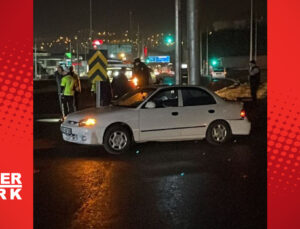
218, 72
165, 113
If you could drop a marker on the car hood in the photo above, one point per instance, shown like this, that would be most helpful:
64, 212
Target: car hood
94, 112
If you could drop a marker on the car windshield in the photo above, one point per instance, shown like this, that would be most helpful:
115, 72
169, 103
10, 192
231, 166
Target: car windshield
218, 69
135, 98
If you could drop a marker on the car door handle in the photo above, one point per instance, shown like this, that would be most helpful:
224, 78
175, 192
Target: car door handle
211, 111
174, 113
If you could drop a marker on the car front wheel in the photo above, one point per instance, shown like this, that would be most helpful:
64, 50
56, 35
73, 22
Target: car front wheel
218, 132
117, 140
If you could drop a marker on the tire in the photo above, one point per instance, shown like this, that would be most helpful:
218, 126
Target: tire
218, 132
117, 140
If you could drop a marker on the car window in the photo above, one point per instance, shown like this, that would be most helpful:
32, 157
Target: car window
135, 98
218, 69
196, 97
165, 98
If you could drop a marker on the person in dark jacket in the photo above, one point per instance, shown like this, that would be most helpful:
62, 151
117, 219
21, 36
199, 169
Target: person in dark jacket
142, 72
120, 84
254, 79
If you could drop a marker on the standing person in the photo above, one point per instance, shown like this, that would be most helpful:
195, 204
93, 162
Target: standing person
142, 72
77, 88
254, 79
59, 74
120, 85
68, 85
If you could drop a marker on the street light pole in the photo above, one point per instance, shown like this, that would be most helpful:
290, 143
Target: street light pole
35, 61
138, 41
193, 39
201, 67
251, 32
78, 69
70, 47
178, 42
206, 64
255, 44
91, 21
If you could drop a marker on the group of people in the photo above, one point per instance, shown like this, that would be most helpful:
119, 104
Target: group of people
141, 72
68, 88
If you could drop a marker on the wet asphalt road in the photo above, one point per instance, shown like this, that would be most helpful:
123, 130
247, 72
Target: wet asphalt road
157, 185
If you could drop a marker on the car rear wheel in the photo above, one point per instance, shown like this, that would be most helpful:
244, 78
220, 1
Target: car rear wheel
117, 140
218, 132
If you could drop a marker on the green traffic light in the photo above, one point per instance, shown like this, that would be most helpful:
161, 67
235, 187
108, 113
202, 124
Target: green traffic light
68, 54
169, 40
214, 62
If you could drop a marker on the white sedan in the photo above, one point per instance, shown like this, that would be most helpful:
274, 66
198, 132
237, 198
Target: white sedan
167, 113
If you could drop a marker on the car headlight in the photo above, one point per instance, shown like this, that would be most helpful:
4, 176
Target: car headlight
135, 81
87, 122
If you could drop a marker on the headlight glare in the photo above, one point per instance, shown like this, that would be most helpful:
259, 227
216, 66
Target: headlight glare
88, 122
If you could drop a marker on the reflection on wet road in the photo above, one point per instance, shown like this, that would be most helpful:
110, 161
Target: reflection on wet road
164, 185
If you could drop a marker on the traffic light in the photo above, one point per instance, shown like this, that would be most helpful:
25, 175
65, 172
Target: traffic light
68, 54
214, 62
169, 40
97, 43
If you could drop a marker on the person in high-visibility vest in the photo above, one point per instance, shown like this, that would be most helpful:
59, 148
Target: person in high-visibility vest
77, 88
68, 84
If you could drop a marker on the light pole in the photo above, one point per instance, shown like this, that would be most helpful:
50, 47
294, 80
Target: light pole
35, 61
255, 44
206, 64
193, 39
178, 42
77, 55
251, 32
70, 49
91, 21
201, 67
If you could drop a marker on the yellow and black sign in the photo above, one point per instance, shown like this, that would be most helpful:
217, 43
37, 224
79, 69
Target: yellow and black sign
97, 67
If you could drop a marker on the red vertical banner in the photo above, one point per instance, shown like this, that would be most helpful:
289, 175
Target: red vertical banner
16, 121
283, 115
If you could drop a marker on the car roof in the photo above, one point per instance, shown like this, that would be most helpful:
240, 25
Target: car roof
176, 86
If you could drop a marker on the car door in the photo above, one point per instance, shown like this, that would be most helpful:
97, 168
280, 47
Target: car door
161, 122
198, 110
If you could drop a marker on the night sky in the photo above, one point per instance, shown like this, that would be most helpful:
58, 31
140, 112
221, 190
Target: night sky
57, 17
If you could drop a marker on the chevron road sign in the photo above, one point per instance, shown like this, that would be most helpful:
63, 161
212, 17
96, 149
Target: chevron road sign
97, 67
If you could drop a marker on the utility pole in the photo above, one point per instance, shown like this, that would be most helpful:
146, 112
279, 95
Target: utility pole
130, 29
70, 48
255, 44
35, 61
178, 41
251, 32
138, 40
207, 62
201, 59
193, 39
91, 21
78, 69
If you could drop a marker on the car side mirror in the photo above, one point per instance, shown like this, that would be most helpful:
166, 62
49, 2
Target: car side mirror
150, 105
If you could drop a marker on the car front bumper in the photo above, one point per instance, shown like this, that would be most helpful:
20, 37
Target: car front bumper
81, 135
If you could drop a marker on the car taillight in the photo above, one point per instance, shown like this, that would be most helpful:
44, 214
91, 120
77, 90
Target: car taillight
243, 113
